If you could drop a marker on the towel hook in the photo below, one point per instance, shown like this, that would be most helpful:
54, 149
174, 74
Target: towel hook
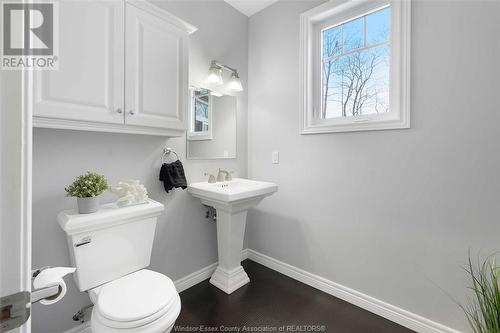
168, 151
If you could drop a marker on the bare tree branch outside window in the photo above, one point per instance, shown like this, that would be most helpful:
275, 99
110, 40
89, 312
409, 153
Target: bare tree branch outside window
356, 67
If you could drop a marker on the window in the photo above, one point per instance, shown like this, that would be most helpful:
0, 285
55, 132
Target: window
200, 115
355, 66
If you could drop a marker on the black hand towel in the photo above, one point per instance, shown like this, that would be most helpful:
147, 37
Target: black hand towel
172, 175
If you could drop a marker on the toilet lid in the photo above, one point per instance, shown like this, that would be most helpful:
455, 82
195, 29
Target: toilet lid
136, 296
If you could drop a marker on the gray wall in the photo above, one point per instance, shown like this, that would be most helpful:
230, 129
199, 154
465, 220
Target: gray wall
185, 241
389, 213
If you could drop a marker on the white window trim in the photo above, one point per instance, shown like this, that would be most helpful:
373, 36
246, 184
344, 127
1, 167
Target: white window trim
338, 11
199, 136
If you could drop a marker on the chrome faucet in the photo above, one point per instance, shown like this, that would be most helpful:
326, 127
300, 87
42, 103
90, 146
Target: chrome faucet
223, 175
211, 178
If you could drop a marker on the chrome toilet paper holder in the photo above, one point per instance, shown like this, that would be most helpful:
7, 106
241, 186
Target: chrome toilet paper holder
42, 293
15, 308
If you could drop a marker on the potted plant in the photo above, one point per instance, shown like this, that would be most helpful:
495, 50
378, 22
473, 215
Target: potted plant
86, 188
483, 312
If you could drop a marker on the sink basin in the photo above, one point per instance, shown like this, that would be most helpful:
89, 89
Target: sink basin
234, 190
231, 199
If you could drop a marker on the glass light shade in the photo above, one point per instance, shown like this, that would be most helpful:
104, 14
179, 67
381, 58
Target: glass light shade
234, 83
214, 75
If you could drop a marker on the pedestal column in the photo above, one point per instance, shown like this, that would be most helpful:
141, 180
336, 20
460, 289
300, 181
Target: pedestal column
229, 274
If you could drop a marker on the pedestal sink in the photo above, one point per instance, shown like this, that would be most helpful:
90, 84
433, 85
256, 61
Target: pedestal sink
231, 199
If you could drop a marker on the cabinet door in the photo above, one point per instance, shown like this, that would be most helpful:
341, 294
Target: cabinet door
89, 85
156, 70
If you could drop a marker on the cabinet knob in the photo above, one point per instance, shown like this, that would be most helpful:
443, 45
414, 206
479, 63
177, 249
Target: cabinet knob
119, 111
131, 112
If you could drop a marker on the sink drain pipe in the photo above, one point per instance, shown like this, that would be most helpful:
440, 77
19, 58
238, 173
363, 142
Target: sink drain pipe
211, 213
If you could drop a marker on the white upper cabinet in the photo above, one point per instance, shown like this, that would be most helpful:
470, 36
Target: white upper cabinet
123, 67
156, 70
89, 83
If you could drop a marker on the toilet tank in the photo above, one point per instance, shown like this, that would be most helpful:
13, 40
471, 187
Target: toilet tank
110, 243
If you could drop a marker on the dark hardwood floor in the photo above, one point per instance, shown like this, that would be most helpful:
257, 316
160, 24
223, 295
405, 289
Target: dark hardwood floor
277, 302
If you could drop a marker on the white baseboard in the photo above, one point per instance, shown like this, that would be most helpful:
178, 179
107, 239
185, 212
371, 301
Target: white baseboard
194, 278
200, 275
244, 254
381, 308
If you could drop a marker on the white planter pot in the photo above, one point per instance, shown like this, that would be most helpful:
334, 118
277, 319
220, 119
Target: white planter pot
88, 205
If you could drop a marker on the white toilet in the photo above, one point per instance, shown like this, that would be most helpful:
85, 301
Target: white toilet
110, 249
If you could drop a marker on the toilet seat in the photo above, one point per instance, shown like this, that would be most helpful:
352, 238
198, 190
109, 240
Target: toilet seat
135, 301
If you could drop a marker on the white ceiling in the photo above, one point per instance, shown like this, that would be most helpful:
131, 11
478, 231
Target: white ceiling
250, 7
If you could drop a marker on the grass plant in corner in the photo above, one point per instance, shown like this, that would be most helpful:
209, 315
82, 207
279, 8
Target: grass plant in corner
483, 310
86, 188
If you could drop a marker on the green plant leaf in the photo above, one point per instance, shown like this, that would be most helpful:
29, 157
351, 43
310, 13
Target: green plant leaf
88, 185
483, 311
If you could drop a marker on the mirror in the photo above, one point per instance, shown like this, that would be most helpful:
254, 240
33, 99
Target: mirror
212, 125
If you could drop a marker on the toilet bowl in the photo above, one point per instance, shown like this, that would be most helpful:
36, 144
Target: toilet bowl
143, 301
111, 249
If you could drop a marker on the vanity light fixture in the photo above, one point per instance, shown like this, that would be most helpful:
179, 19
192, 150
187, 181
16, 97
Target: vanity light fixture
215, 76
214, 73
235, 83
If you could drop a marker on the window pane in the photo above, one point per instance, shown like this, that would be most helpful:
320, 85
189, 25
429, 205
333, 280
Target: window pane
331, 42
354, 34
378, 26
357, 84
